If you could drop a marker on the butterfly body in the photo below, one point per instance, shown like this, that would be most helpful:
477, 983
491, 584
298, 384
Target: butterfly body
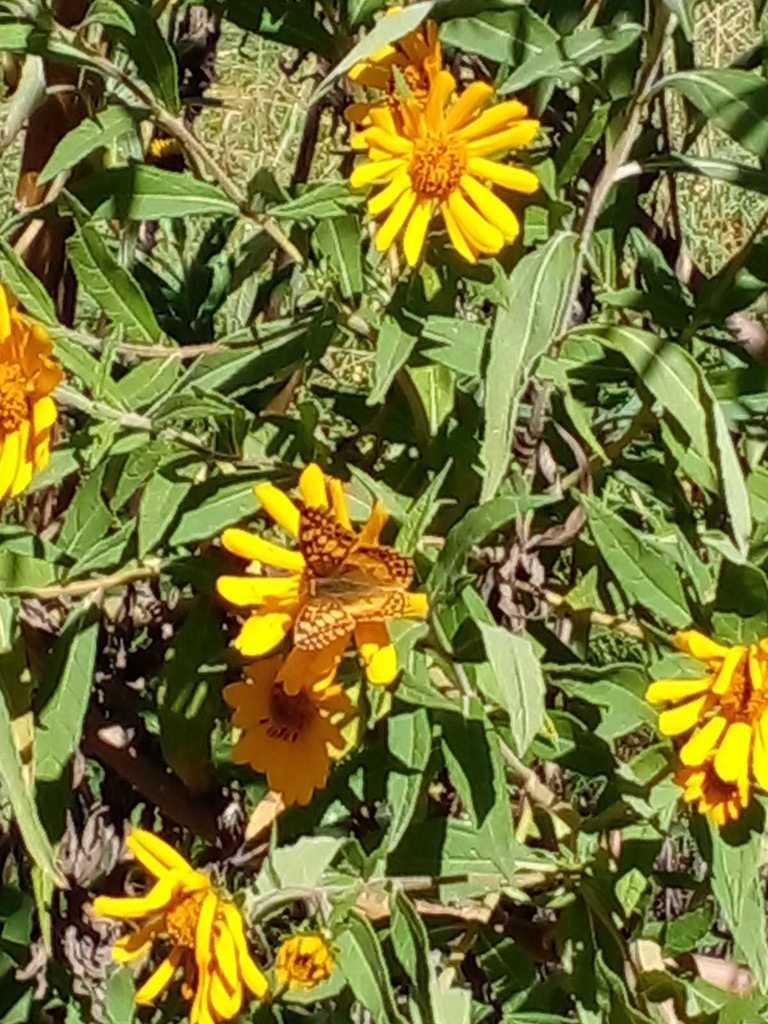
346, 582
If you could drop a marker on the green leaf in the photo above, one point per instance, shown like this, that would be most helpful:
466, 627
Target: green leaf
97, 132
476, 525
433, 388
22, 802
212, 507
166, 490
119, 997
362, 961
409, 740
317, 202
644, 574
25, 286
111, 286
421, 513
393, 347
460, 344
737, 887
524, 329
386, 30
574, 51
140, 192
683, 11
411, 947
507, 37
153, 54
338, 239
88, 519
19, 573
716, 168
148, 382
60, 720
300, 865
519, 682
190, 697
734, 100
733, 483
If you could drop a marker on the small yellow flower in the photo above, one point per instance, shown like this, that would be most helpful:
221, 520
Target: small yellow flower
286, 736
161, 148
303, 961
205, 933
417, 57
435, 156
340, 584
721, 801
28, 375
721, 718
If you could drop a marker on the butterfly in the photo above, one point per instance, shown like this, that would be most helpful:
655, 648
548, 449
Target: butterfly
347, 582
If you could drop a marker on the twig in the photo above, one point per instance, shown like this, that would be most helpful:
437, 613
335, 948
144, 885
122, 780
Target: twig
79, 588
560, 605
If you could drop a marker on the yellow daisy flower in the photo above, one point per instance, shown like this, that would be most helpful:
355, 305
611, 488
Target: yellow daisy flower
340, 584
303, 961
208, 948
722, 802
286, 736
28, 375
723, 715
436, 156
417, 57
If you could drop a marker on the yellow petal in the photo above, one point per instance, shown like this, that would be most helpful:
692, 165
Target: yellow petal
261, 634
442, 86
159, 981
5, 314
474, 98
252, 591
459, 240
44, 414
672, 691
516, 137
416, 606
483, 235
398, 215
250, 973
225, 1000
395, 145
155, 854
131, 907
698, 748
416, 231
731, 662
516, 179
339, 503
382, 201
279, 506
492, 208
500, 116
679, 720
732, 758
10, 452
312, 487
256, 549
24, 468
302, 670
377, 652
374, 170
699, 646
135, 944
377, 520
204, 931
760, 752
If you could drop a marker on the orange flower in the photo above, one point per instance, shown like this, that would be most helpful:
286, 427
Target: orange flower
205, 933
28, 375
436, 157
286, 736
340, 584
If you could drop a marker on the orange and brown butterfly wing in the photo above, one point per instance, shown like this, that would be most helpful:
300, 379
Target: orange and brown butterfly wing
321, 622
383, 564
389, 604
325, 544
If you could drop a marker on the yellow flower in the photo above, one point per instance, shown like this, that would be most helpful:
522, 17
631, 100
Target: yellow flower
205, 933
417, 57
436, 156
339, 584
303, 961
722, 802
286, 736
28, 375
723, 715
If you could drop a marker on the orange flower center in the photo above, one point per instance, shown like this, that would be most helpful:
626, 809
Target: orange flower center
288, 715
436, 166
181, 919
308, 968
14, 408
